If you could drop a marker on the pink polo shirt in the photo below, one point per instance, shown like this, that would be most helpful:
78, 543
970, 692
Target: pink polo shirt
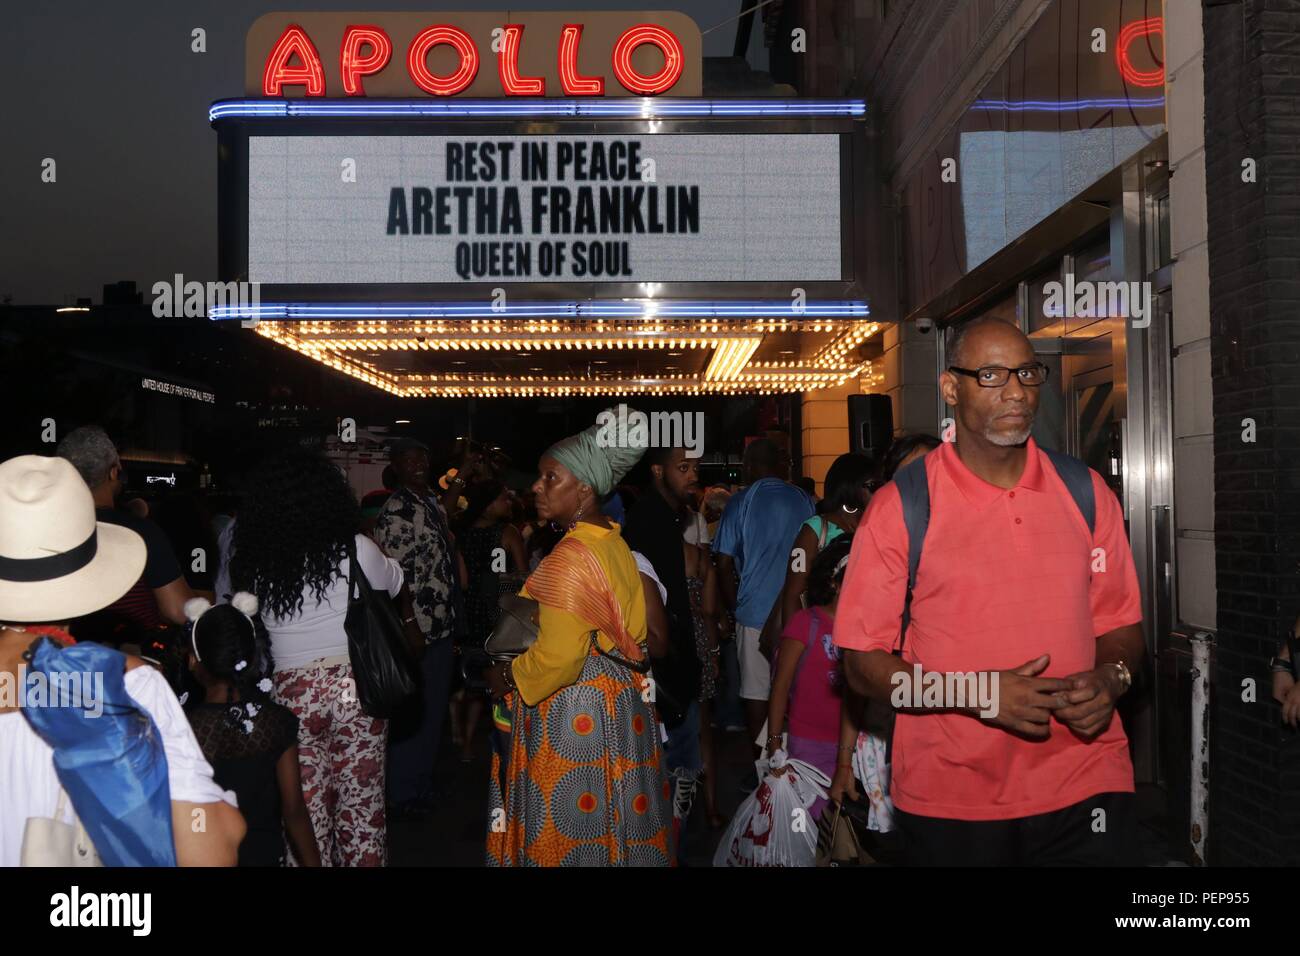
1005, 577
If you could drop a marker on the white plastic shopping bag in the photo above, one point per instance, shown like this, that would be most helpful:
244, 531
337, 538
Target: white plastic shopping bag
873, 773
773, 826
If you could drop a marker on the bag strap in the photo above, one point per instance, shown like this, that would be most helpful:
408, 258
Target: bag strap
1077, 477
914, 493
641, 667
828, 824
352, 571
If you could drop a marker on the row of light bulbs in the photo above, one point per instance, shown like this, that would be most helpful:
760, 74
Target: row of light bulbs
471, 378
307, 327
516, 345
725, 373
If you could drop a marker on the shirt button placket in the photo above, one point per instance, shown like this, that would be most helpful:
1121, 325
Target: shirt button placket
1017, 524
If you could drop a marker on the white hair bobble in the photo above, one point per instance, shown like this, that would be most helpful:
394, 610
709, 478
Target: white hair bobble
245, 603
195, 607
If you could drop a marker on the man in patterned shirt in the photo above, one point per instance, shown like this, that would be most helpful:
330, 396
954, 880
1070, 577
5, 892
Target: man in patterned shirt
412, 529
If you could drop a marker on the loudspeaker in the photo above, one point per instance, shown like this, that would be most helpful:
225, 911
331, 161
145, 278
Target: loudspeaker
871, 425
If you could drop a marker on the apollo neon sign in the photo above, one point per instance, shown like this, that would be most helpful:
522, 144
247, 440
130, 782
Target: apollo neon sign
367, 50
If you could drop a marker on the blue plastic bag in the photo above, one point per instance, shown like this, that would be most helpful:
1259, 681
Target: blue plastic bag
109, 758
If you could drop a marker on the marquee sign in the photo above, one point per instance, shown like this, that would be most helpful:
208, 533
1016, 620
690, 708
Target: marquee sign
575, 54
613, 207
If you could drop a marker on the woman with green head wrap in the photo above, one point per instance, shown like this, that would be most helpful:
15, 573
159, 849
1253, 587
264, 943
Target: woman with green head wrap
584, 783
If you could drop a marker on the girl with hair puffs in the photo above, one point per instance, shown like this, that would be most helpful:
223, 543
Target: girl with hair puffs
251, 741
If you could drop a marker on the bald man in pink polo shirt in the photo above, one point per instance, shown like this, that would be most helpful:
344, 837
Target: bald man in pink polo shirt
1010, 583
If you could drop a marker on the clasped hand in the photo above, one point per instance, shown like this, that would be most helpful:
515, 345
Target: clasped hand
1084, 702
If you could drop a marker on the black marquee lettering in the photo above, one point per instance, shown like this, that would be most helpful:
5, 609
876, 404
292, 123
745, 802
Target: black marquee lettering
397, 221
422, 210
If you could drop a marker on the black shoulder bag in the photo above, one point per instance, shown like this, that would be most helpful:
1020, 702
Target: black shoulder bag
381, 666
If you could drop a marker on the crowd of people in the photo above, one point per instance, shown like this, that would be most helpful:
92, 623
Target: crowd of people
657, 610
264, 676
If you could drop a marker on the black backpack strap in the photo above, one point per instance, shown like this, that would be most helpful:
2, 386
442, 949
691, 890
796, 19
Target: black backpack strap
914, 493
1078, 482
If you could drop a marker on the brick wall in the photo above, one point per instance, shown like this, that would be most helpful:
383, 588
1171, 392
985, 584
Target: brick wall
1252, 88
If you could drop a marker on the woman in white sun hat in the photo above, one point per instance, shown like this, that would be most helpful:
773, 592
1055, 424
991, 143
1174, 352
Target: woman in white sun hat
58, 563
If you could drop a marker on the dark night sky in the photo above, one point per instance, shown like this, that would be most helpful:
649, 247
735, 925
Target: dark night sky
112, 92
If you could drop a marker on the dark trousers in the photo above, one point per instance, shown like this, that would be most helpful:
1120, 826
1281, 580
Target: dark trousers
416, 732
682, 763
1071, 836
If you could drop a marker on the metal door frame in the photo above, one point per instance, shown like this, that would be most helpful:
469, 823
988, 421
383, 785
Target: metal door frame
1076, 382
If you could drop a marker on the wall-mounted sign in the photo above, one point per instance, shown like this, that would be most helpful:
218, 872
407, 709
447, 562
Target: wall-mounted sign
1140, 30
727, 207
170, 388
644, 53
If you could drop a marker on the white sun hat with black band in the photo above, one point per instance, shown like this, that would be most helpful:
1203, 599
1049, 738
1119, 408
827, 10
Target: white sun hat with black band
56, 561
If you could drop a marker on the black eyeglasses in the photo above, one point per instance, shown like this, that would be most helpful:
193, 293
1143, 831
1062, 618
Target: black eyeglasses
995, 376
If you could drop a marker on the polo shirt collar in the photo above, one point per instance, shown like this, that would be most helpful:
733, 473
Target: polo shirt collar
978, 491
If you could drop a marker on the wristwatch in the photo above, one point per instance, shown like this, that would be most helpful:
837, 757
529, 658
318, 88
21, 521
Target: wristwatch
1124, 674
1276, 664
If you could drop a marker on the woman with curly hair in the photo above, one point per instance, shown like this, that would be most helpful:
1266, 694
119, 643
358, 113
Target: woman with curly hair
292, 547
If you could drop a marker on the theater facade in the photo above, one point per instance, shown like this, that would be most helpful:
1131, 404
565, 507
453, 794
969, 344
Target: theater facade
532, 205
545, 205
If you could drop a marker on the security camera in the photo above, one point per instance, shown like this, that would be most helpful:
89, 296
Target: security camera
924, 325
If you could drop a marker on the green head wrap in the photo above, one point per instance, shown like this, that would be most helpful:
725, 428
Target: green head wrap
595, 457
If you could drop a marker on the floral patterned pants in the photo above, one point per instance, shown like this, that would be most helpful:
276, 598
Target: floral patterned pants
341, 752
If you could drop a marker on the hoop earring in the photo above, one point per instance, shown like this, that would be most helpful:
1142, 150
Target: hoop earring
849, 511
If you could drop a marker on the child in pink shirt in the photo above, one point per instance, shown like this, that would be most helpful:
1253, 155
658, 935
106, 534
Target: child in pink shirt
808, 685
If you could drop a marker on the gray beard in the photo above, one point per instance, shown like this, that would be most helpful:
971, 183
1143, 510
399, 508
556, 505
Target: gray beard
1008, 439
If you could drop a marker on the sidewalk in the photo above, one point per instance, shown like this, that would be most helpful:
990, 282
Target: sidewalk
453, 835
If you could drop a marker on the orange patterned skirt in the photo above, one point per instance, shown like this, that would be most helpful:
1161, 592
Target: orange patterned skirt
584, 783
